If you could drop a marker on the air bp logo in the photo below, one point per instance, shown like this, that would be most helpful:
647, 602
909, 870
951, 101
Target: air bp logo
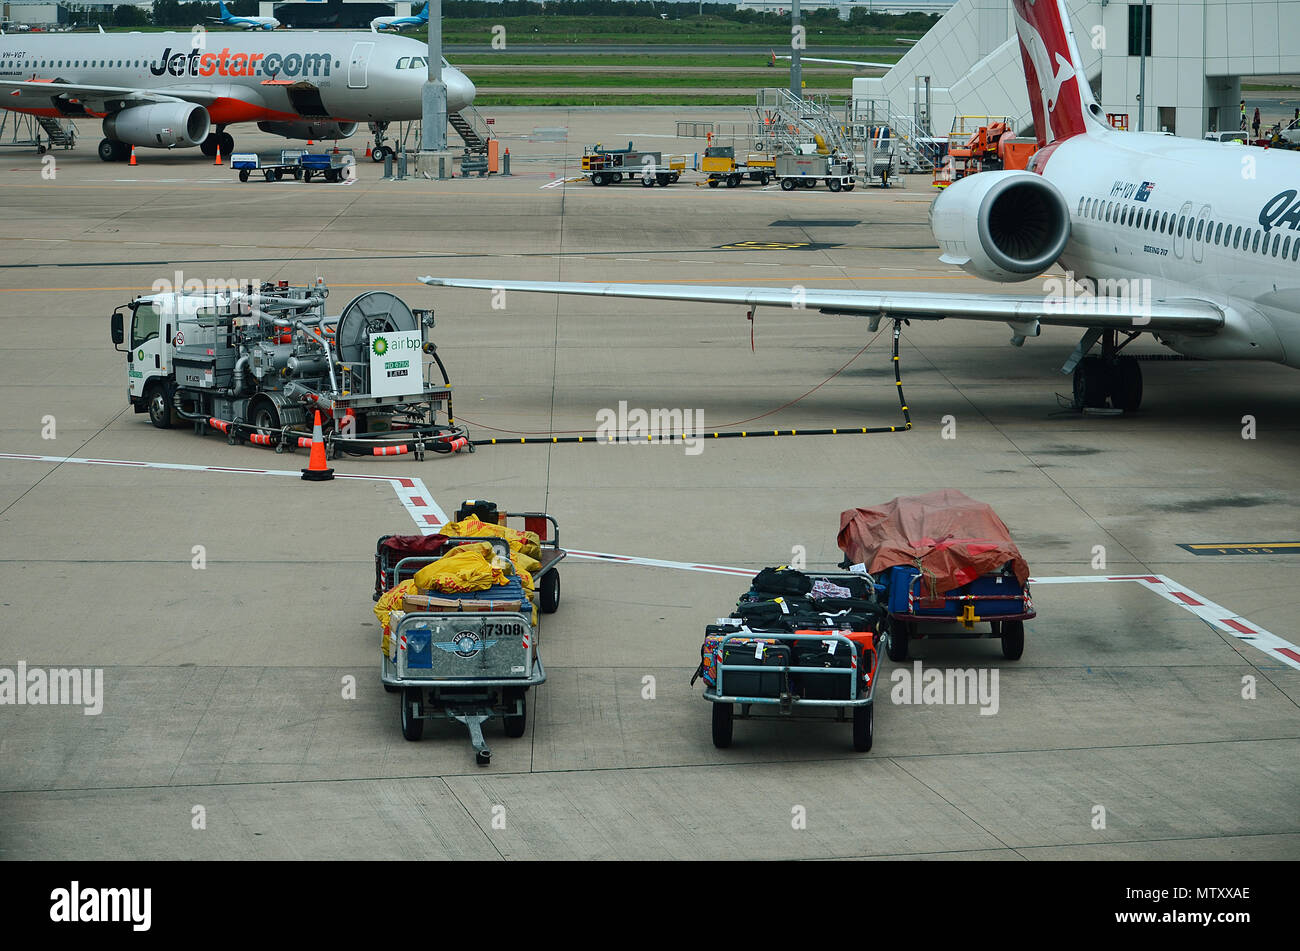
140, 354
467, 644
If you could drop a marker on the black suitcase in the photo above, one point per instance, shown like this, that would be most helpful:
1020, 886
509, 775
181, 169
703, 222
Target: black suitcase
782, 581
811, 653
760, 682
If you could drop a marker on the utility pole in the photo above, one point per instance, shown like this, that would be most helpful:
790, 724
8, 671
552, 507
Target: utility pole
433, 97
796, 68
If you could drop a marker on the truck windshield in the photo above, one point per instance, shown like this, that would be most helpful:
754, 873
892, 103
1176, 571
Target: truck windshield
144, 326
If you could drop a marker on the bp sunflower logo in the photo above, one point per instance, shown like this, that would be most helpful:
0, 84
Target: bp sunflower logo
380, 346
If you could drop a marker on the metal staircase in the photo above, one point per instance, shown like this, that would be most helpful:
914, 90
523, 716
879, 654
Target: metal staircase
60, 133
472, 129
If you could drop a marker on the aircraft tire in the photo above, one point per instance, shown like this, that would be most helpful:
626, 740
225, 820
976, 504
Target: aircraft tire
1090, 383
227, 142
1126, 384
209, 145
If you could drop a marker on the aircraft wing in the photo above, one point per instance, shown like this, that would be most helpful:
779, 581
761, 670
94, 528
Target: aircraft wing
111, 98
1020, 311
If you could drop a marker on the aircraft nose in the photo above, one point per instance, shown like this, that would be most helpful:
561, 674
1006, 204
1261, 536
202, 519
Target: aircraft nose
460, 91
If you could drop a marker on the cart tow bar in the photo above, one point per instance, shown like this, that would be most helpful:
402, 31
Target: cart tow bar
474, 723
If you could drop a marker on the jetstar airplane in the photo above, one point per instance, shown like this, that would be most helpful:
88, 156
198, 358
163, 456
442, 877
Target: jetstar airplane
1194, 242
247, 23
401, 23
179, 90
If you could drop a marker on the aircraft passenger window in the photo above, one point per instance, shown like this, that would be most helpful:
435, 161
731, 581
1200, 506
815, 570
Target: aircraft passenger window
1286, 246
1180, 226
1254, 246
1277, 239
1218, 233
404, 62
1295, 250
1164, 222
1110, 211
1080, 211
1200, 229
1148, 222
1236, 237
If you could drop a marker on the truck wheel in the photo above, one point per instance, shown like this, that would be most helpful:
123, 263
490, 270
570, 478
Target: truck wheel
268, 174
306, 174
412, 728
664, 179
764, 178
1013, 639
616, 178
713, 183
266, 419
515, 725
674, 177
849, 186
733, 180
864, 728
722, 725
899, 631
787, 184
647, 181
833, 184
551, 591
243, 174
598, 179
160, 407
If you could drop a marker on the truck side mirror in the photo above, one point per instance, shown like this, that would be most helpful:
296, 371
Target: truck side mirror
115, 323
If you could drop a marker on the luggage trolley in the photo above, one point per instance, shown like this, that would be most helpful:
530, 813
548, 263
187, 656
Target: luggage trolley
799, 674
996, 598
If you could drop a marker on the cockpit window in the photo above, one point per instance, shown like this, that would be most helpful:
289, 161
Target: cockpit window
404, 62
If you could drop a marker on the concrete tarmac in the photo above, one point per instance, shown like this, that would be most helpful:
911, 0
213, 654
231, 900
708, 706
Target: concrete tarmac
1136, 725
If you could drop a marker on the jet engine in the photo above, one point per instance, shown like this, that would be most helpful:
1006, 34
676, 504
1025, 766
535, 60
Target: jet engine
318, 129
159, 125
1001, 226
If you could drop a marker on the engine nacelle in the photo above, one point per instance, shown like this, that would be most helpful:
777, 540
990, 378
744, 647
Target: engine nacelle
1001, 226
319, 129
160, 125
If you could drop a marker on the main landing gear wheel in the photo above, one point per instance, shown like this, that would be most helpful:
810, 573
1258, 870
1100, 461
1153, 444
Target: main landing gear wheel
1120, 380
111, 150
227, 142
380, 152
209, 145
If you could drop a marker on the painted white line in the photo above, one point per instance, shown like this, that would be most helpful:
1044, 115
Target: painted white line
429, 516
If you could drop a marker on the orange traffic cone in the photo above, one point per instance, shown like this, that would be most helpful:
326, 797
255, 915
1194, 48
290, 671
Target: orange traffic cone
369, 154
309, 142
218, 158
317, 470
133, 161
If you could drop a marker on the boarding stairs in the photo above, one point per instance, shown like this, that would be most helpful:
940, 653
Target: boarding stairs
61, 134
472, 129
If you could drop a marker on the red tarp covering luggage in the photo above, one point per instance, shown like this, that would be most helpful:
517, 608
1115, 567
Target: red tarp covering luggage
954, 538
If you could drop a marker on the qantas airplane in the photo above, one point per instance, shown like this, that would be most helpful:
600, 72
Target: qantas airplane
180, 90
248, 23
1194, 242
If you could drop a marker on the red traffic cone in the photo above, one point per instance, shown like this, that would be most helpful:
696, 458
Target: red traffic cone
309, 142
317, 470
218, 158
369, 154
133, 161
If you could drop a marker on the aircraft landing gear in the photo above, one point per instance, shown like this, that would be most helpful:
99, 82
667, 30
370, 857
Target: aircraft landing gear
111, 150
380, 151
1108, 377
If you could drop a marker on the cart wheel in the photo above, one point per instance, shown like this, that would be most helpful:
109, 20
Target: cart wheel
899, 632
279, 174
722, 724
268, 173
389, 688
713, 183
849, 187
787, 184
674, 177
412, 728
306, 174
297, 174
647, 181
864, 728
598, 179
833, 184
1013, 639
551, 591
243, 174
515, 725
764, 178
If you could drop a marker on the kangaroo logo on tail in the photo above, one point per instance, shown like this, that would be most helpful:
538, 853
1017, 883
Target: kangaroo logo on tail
1051, 64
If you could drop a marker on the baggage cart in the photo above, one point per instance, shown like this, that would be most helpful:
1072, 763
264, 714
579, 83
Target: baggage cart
722, 167
805, 170
810, 674
996, 598
332, 166
611, 166
274, 166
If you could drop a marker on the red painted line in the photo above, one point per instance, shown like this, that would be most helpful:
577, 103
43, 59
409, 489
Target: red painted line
1152, 578
1238, 626
416, 500
1186, 600
14, 455
730, 571
1289, 652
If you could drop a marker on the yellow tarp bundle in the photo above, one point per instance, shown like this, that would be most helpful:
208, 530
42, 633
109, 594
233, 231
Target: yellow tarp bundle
472, 527
467, 568
390, 601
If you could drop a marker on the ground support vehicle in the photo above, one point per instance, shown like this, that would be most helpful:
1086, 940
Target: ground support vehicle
721, 167
805, 170
609, 167
996, 598
273, 166
256, 361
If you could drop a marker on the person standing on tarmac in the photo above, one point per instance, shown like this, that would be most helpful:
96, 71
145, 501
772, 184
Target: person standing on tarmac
1255, 124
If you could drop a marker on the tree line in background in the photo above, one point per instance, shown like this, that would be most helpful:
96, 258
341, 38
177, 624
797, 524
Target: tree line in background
177, 13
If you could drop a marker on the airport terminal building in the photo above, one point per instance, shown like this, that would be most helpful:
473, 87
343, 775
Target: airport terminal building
1197, 51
